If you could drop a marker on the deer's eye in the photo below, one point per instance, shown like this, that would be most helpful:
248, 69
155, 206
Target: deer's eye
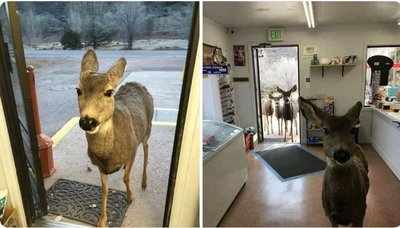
326, 130
78, 91
108, 93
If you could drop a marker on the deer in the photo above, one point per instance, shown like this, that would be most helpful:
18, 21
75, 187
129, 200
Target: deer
268, 111
287, 109
115, 123
345, 183
278, 111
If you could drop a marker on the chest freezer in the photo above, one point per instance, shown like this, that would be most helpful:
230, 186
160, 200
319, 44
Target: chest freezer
224, 168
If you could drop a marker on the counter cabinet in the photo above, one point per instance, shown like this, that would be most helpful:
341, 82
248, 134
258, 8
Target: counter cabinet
385, 138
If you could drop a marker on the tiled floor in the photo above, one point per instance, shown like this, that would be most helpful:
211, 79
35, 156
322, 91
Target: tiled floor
266, 201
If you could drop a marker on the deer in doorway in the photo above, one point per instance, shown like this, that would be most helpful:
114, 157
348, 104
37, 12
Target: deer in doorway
287, 109
278, 111
115, 123
346, 183
268, 112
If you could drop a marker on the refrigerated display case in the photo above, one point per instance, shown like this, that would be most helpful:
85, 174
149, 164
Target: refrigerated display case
224, 168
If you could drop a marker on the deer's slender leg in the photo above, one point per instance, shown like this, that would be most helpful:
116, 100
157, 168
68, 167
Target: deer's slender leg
279, 127
272, 126
146, 158
291, 128
263, 120
104, 193
284, 137
128, 167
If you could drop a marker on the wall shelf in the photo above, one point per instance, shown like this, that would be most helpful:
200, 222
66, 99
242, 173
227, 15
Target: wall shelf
322, 66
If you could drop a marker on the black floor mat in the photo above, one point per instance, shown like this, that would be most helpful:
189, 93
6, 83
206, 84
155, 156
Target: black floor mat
81, 201
292, 161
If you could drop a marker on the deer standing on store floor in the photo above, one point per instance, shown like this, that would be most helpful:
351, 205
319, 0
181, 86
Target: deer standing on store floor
346, 183
268, 111
115, 125
287, 109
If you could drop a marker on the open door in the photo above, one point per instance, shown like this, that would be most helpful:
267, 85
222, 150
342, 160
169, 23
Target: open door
276, 67
20, 120
257, 94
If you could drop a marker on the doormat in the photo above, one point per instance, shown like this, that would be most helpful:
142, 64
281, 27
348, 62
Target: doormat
82, 202
290, 162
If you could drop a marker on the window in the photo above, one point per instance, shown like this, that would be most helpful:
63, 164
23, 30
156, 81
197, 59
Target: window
393, 87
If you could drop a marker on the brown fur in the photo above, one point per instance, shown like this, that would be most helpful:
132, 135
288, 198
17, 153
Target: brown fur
124, 122
345, 184
278, 109
287, 109
268, 112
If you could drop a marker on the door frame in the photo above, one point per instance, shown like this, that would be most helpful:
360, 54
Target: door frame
11, 115
188, 75
257, 78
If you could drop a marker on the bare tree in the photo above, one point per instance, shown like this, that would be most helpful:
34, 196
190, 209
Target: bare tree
131, 15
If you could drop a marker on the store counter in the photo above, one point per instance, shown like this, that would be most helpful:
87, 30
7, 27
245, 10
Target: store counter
385, 137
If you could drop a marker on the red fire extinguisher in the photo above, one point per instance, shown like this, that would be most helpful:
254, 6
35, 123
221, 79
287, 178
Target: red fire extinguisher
249, 138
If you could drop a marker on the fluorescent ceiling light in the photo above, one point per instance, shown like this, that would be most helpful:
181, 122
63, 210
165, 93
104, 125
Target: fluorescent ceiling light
306, 12
311, 13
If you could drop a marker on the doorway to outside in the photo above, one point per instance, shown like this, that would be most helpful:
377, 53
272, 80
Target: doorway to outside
276, 77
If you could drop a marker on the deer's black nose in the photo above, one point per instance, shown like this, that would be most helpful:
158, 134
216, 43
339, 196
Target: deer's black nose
341, 156
87, 123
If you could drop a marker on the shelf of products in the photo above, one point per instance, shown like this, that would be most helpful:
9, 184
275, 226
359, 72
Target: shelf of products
323, 66
315, 135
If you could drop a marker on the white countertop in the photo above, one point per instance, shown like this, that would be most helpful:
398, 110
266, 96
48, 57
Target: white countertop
393, 116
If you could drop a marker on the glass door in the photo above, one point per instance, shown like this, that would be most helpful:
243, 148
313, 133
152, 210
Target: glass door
276, 70
257, 94
20, 121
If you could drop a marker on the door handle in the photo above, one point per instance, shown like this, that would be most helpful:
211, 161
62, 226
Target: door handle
397, 122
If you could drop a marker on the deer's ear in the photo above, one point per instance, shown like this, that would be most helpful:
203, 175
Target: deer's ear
354, 113
114, 74
311, 112
89, 62
294, 88
279, 89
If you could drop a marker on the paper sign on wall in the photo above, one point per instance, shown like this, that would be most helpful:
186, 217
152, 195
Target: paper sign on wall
309, 50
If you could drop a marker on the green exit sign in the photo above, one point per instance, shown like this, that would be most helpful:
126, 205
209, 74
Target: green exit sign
275, 34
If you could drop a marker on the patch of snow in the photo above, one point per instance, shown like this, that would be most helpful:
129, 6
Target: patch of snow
49, 46
151, 44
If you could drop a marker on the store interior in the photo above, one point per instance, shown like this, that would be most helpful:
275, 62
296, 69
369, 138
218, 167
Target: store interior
347, 52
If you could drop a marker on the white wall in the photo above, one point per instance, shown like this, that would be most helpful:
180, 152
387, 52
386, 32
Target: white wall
215, 35
8, 174
331, 41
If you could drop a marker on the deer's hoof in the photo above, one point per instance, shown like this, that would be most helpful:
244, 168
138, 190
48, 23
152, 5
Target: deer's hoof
129, 198
102, 222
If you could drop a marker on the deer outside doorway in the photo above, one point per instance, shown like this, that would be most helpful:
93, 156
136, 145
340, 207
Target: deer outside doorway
276, 76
